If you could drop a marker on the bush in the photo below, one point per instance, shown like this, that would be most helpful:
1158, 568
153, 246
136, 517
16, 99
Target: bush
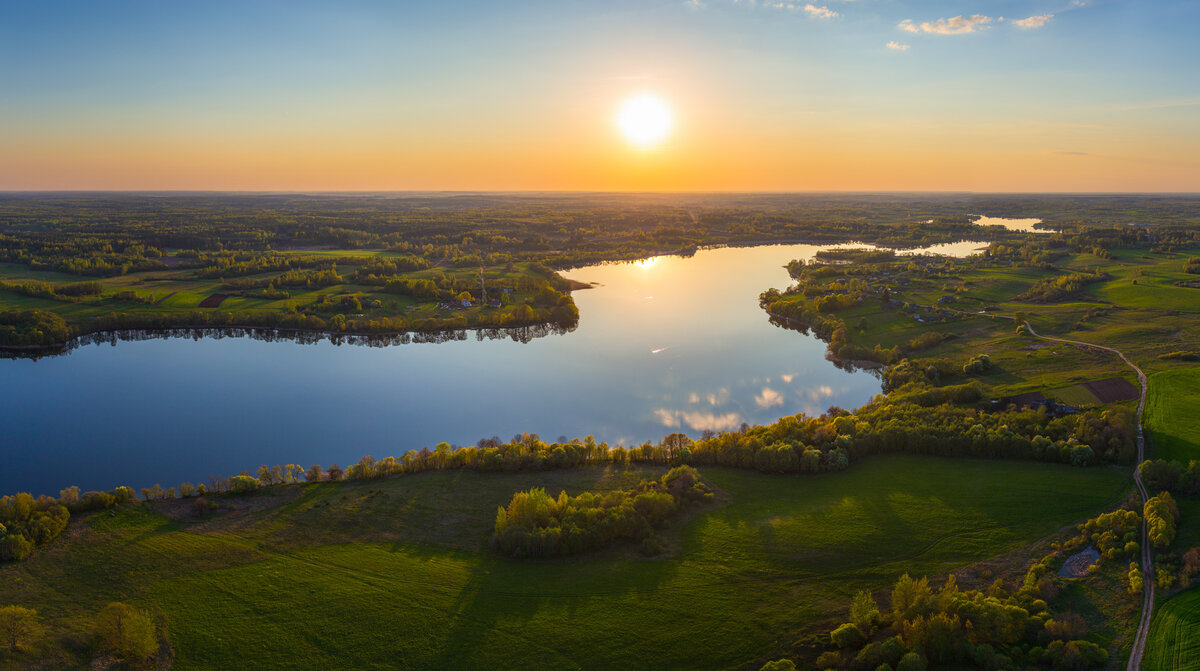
912, 661
535, 524
829, 660
779, 665
847, 636
126, 632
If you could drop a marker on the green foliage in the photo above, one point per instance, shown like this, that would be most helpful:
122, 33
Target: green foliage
29, 523
1111, 532
19, 328
1162, 516
240, 484
126, 632
1075, 655
847, 635
779, 665
19, 627
864, 611
912, 661
1057, 288
1136, 582
537, 525
909, 597
978, 365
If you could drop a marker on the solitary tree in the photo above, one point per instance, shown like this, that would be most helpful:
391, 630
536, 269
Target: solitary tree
19, 626
126, 631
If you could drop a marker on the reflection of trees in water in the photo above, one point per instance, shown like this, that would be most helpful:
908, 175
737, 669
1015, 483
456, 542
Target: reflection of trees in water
521, 334
847, 365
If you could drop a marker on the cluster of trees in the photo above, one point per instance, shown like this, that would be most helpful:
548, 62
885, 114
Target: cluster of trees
1192, 266
988, 629
71, 293
1171, 476
33, 328
978, 365
794, 444
1114, 534
535, 524
1162, 518
26, 523
1051, 289
127, 633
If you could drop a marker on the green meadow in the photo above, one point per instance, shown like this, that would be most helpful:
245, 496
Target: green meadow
395, 572
1173, 414
1174, 643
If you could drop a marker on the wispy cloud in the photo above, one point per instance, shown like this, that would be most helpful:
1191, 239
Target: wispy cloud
769, 397
698, 421
1033, 21
956, 25
896, 46
821, 12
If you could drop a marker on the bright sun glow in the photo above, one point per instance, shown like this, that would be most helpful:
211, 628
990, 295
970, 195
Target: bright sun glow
644, 119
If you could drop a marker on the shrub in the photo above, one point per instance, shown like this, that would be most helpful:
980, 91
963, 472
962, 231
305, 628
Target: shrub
829, 660
912, 661
847, 636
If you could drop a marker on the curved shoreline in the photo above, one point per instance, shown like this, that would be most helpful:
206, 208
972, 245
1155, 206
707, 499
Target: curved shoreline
368, 338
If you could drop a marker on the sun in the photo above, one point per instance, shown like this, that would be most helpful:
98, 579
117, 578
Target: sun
644, 120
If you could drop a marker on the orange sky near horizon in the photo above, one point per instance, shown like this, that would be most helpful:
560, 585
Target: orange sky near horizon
387, 97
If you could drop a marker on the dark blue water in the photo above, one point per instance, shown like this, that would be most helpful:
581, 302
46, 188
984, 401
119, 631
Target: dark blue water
670, 344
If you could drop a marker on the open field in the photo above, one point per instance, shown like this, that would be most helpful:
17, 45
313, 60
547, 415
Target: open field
1138, 309
1173, 414
393, 573
1174, 643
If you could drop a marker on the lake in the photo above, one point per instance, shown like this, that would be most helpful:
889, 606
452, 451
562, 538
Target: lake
1023, 225
665, 344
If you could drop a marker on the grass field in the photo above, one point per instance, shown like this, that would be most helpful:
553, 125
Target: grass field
1173, 414
1174, 643
175, 296
394, 573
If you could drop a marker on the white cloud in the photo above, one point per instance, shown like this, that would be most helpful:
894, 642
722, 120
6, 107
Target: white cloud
719, 398
698, 421
787, 379
1033, 21
896, 46
707, 421
666, 417
768, 398
823, 391
693, 397
821, 12
956, 25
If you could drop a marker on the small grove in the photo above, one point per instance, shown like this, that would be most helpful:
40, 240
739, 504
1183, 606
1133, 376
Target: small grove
996, 628
1003, 626
535, 524
120, 632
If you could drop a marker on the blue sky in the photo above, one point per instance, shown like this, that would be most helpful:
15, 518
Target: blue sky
503, 95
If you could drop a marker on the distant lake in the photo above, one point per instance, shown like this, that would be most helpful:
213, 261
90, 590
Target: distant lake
664, 344
1025, 225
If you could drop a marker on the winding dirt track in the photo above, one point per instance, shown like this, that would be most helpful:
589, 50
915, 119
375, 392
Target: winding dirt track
1143, 631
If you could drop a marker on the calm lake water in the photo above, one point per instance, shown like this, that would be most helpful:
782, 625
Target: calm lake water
665, 344
1024, 225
